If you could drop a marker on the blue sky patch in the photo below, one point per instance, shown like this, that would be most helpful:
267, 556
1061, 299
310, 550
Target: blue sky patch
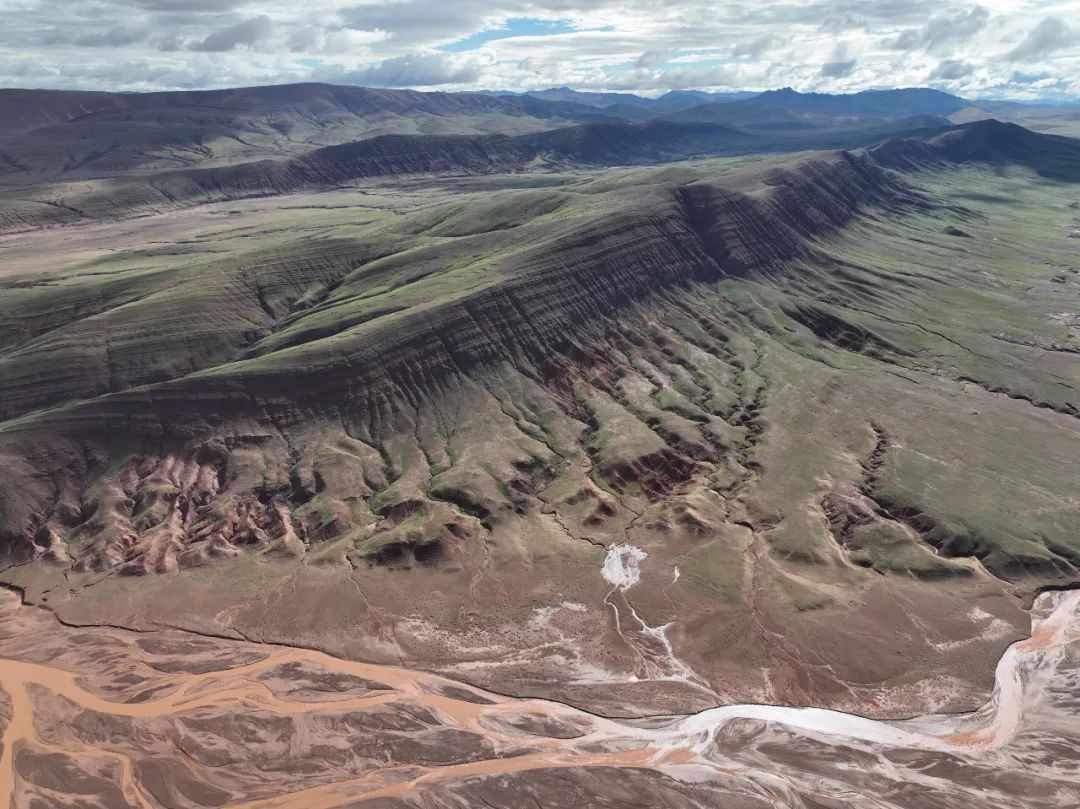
516, 27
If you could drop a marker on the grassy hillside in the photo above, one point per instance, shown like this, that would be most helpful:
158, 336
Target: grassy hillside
829, 395
587, 145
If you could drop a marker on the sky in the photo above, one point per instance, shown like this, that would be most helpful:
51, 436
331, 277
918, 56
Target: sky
1021, 49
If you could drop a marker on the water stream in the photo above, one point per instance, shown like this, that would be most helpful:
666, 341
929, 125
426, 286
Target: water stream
512, 728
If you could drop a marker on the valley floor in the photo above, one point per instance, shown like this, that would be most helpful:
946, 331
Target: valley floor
107, 717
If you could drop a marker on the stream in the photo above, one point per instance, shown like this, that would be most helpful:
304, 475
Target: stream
498, 736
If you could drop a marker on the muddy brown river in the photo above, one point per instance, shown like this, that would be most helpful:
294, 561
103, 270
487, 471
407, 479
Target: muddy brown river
103, 717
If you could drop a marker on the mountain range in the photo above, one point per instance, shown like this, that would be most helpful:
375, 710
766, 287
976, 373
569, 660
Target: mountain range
57, 135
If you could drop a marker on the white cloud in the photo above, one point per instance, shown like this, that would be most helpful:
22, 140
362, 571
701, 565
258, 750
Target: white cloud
756, 47
250, 33
839, 65
838, 70
414, 70
994, 46
943, 32
951, 70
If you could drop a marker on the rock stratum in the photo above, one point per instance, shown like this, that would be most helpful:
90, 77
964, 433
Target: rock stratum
786, 429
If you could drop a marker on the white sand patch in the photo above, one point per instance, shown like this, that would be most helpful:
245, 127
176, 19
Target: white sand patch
622, 570
993, 628
542, 616
622, 566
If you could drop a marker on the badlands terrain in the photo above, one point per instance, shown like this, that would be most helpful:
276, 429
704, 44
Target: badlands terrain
372, 448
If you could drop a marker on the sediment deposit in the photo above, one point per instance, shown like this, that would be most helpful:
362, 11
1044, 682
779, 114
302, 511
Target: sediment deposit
173, 719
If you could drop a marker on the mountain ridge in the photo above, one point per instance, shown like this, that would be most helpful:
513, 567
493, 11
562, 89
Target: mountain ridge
723, 227
587, 145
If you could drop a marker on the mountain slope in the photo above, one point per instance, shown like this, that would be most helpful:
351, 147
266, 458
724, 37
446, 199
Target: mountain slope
388, 155
617, 103
989, 141
585, 146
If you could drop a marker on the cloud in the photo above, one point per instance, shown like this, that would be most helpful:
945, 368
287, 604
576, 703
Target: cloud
1050, 35
840, 64
652, 59
248, 33
840, 15
418, 70
418, 22
756, 47
942, 32
837, 70
1022, 77
645, 45
189, 5
951, 70
170, 43
115, 37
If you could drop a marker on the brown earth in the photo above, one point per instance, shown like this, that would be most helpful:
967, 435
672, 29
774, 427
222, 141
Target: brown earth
109, 718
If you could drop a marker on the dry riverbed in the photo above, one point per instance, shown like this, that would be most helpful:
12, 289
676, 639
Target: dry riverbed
103, 717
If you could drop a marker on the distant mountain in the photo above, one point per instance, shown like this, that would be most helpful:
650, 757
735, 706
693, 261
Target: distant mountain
683, 96
610, 102
750, 114
792, 112
788, 109
565, 94
628, 112
59, 136
632, 107
877, 103
48, 136
987, 141
588, 145
585, 146
996, 105
1057, 118
47, 133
